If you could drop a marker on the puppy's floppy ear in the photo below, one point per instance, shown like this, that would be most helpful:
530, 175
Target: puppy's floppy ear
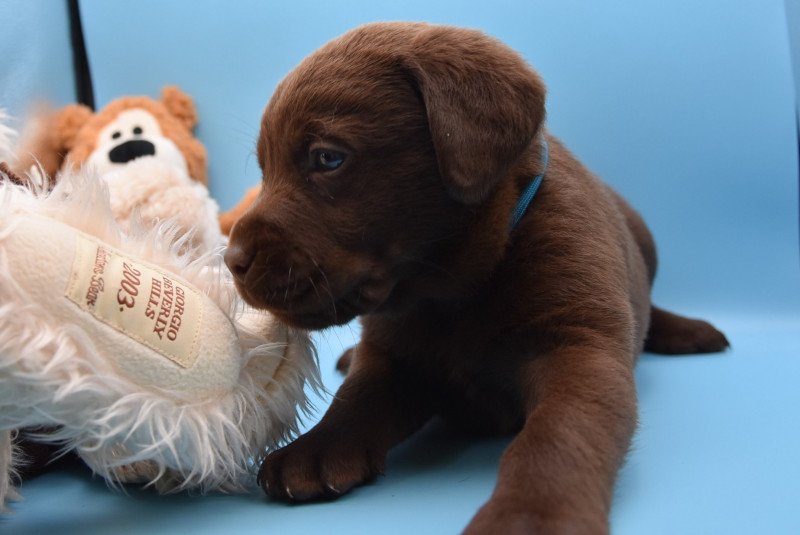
484, 106
180, 105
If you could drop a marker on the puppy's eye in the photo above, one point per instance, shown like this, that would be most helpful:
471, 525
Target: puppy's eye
116, 135
326, 160
137, 130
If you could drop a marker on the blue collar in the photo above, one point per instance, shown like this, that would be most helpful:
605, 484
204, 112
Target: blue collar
533, 187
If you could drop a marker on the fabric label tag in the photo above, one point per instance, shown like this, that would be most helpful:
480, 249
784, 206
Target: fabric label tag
140, 300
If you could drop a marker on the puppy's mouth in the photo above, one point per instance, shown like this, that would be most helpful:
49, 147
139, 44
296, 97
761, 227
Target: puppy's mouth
313, 303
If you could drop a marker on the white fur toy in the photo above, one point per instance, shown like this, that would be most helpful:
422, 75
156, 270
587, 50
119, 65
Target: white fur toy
135, 346
151, 189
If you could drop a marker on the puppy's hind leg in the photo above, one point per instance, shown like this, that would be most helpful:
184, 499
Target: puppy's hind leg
671, 334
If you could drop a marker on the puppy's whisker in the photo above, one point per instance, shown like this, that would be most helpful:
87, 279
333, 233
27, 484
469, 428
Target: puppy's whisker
333, 302
288, 282
314, 286
260, 279
326, 286
257, 283
429, 264
439, 239
263, 276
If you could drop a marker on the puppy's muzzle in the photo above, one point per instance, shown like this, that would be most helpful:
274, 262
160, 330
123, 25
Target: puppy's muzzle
271, 274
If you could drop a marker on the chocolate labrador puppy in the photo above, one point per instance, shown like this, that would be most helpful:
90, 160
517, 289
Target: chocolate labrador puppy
398, 162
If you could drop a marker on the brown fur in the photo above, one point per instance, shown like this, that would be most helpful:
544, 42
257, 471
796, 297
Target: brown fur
534, 330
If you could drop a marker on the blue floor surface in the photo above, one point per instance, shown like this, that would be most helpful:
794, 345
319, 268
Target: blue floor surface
716, 452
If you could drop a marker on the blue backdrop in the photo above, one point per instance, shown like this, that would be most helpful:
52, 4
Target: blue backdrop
687, 107
35, 56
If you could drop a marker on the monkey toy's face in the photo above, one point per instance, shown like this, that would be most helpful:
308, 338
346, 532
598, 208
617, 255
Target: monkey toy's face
134, 133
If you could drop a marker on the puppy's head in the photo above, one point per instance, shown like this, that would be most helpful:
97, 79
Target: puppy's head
378, 153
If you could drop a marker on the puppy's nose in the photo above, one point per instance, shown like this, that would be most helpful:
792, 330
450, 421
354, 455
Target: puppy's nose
239, 260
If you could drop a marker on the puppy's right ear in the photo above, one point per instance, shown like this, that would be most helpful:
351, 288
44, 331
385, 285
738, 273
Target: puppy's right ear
484, 105
50, 136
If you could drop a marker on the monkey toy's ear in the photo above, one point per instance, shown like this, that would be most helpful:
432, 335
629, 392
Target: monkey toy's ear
50, 136
180, 105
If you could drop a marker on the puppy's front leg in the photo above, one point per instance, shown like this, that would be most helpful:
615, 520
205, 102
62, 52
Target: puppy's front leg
557, 475
376, 407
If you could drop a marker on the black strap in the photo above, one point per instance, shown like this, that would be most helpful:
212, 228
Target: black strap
80, 61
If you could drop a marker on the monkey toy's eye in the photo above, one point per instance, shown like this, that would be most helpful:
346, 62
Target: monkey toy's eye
326, 160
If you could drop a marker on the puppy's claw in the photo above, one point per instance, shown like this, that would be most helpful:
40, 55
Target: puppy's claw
318, 466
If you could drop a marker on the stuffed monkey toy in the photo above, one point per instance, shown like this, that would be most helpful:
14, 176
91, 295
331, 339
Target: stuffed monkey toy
143, 148
126, 129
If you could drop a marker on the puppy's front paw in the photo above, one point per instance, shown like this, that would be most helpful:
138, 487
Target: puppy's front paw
317, 466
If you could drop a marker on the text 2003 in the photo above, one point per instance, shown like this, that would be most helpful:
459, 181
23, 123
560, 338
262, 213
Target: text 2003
129, 286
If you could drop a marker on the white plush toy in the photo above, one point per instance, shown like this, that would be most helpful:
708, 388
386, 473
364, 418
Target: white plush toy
134, 345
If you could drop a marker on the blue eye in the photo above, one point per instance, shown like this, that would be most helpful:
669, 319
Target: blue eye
326, 160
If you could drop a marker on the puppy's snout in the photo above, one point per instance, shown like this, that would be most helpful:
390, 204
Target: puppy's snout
238, 259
